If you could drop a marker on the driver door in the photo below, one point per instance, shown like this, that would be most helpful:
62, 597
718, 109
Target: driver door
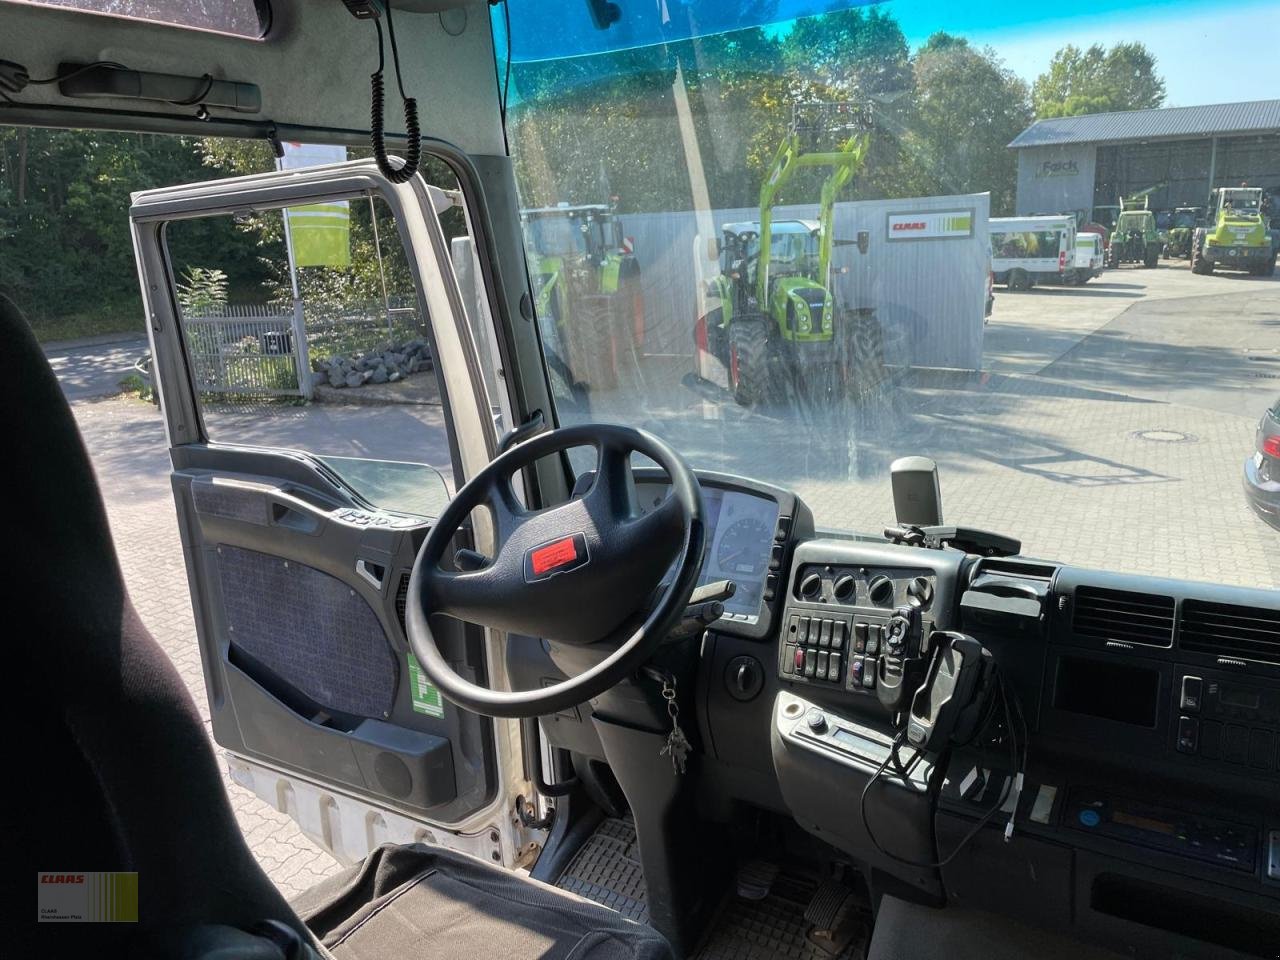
323, 395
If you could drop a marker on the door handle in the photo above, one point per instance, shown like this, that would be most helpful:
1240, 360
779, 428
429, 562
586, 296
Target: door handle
371, 573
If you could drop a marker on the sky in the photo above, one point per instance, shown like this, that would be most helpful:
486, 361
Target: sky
1185, 37
1209, 51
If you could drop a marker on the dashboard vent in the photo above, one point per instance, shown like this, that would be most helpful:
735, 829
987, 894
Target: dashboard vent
1228, 630
1145, 619
1023, 569
402, 597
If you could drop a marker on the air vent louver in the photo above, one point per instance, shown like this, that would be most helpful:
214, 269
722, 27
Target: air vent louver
1144, 619
402, 597
1228, 630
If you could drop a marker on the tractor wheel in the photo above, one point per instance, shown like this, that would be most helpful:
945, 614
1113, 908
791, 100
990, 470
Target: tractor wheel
864, 367
595, 359
1200, 265
1269, 268
748, 361
1152, 258
1113, 256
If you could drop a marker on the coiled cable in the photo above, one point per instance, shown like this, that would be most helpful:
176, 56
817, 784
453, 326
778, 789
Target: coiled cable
377, 97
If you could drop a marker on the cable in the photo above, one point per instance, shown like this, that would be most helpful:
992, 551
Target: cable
77, 71
204, 92
982, 822
377, 97
506, 74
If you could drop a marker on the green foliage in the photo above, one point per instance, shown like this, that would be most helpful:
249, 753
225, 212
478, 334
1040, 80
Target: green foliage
202, 287
588, 128
1098, 80
64, 202
967, 108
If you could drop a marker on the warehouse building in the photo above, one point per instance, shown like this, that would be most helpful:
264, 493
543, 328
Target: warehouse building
1075, 164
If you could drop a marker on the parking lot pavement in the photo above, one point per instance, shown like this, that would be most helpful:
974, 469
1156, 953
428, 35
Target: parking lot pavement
94, 368
1107, 431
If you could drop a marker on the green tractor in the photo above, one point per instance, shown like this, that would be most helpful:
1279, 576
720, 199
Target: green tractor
1182, 231
587, 294
1236, 235
1135, 237
777, 325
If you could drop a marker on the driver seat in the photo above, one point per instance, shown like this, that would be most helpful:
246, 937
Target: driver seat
119, 774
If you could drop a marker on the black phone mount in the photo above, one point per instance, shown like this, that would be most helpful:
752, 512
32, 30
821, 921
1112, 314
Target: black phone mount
949, 705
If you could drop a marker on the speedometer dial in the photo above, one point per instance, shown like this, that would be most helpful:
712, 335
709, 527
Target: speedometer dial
744, 548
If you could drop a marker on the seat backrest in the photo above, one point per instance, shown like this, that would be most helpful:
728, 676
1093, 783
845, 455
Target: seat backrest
115, 769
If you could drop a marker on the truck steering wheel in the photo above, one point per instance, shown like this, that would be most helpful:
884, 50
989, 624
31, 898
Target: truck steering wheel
579, 573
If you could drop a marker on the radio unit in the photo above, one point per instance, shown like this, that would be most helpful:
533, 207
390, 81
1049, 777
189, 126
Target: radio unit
1228, 720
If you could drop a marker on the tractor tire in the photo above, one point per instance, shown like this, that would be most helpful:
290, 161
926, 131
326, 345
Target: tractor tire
749, 361
864, 367
1200, 265
1268, 269
1152, 258
593, 352
1113, 257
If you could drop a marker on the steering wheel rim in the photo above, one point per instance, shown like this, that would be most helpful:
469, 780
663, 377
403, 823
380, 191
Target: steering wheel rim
617, 531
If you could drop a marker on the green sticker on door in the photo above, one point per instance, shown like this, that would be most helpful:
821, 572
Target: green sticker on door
426, 698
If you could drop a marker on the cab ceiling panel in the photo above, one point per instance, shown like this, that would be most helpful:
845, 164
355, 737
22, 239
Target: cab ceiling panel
312, 68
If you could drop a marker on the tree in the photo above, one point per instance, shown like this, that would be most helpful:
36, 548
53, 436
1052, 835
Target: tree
1098, 80
967, 108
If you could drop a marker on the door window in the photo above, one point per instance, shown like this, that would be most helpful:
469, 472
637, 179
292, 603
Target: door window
304, 330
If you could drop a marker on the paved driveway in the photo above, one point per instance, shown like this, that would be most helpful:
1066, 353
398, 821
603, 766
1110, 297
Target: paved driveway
95, 369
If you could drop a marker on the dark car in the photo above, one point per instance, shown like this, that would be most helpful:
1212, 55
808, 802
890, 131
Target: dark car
1262, 470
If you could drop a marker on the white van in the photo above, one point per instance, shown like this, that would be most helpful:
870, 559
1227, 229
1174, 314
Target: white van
1027, 249
1090, 254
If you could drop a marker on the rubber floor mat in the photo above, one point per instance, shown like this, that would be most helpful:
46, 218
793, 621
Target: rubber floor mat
774, 927
607, 870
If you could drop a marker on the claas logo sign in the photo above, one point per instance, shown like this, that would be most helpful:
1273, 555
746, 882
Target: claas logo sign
930, 225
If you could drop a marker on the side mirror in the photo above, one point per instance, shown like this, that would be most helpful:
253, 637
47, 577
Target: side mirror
713, 248
864, 240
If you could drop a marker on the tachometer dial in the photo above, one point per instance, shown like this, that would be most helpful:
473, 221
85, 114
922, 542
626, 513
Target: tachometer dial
744, 548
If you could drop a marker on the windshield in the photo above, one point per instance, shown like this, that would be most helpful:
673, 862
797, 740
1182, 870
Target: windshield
1102, 415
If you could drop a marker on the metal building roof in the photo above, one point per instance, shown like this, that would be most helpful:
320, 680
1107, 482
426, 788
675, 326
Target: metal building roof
1216, 119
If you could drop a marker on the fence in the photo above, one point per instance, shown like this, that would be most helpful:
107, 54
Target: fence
265, 349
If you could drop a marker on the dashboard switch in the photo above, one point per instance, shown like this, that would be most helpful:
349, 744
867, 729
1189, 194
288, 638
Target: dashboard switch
1191, 693
1273, 855
824, 634
1188, 735
789, 659
837, 635
810, 663
855, 671
799, 660
860, 631
821, 672
833, 667
802, 634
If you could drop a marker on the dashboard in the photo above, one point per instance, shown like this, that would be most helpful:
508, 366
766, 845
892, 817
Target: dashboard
1126, 768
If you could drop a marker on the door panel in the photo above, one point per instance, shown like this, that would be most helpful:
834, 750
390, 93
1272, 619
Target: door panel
298, 559
308, 665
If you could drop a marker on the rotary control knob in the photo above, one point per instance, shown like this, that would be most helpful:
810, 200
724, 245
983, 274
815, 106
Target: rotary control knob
922, 590
817, 720
810, 586
880, 590
845, 588
895, 639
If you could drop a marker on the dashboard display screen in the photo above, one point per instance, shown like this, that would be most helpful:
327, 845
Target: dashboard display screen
740, 529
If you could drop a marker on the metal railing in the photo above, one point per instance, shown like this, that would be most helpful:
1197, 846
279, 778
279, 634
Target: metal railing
265, 349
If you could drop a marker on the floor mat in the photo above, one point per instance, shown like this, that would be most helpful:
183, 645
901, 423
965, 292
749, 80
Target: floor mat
773, 927
607, 870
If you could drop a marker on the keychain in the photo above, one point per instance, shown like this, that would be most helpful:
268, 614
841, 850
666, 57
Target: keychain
677, 743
